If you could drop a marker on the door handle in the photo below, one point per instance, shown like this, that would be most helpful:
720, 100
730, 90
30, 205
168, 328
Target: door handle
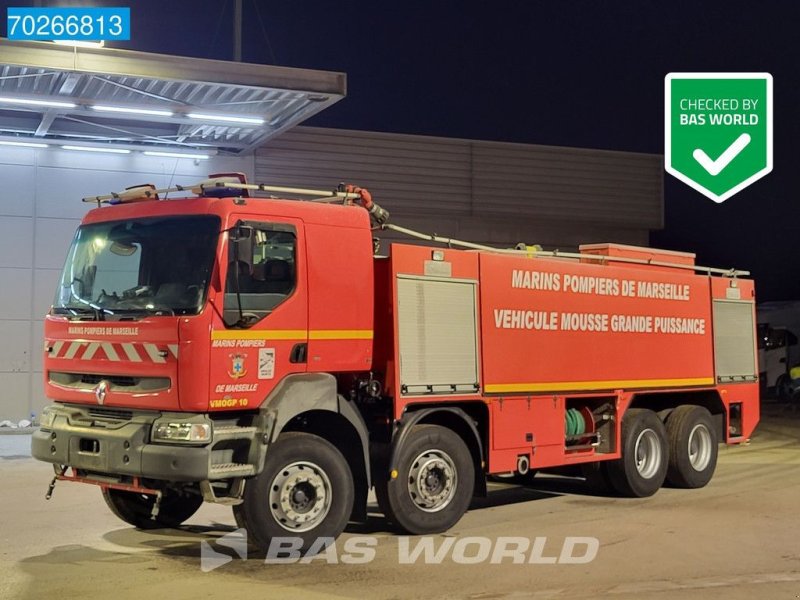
298, 353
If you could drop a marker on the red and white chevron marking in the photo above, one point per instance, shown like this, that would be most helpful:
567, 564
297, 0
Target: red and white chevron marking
112, 351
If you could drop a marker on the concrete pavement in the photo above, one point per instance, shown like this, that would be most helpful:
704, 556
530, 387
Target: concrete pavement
737, 538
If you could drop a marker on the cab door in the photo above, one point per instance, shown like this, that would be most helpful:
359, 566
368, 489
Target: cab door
260, 335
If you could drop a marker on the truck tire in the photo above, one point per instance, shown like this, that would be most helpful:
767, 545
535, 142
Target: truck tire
693, 447
305, 491
135, 509
434, 484
643, 467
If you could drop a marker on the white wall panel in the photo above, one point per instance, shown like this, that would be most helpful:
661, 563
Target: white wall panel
15, 398
16, 199
36, 350
44, 290
16, 293
18, 155
16, 241
15, 349
59, 190
52, 240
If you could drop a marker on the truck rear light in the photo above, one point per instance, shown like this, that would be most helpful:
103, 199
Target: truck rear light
182, 432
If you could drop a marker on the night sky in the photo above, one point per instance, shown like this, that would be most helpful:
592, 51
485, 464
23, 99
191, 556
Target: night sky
569, 73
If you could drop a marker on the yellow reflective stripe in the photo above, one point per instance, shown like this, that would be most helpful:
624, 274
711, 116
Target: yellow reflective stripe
340, 334
261, 334
292, 334
498, 388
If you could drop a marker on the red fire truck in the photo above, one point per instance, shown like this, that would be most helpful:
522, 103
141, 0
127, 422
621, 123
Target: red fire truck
263, 353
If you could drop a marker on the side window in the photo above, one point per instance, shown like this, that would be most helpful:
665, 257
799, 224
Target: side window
262, 271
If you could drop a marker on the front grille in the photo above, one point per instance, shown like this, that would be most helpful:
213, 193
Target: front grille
116, 414
119, 380
116, 383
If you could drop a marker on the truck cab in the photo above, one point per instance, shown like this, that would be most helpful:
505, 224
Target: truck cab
176, 322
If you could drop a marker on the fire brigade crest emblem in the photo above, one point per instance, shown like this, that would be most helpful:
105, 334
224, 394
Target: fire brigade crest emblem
238, 369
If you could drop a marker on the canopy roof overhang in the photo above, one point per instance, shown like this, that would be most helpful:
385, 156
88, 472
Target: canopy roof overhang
54, 94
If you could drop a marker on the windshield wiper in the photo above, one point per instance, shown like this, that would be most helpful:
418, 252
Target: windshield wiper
158, 311
98, 312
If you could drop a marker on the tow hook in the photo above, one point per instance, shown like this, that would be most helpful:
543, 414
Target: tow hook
52, 485
156, 506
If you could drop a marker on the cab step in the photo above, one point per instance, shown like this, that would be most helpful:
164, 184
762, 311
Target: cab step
233, 432
225, 470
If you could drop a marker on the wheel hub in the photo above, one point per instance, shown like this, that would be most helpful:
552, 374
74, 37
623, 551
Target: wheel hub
700, 447
300, 496
647, 453
303, 496
432, 480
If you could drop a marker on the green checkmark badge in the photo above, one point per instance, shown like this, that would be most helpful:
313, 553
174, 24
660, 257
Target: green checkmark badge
718, 130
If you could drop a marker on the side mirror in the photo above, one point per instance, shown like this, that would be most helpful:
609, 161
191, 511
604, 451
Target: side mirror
242, 237
241, 232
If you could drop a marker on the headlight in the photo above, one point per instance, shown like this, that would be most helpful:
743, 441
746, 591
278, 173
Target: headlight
182, 432
46, 418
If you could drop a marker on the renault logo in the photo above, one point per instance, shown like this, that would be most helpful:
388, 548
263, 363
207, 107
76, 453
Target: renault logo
100, 391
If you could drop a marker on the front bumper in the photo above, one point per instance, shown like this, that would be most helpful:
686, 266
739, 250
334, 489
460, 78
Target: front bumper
118, 443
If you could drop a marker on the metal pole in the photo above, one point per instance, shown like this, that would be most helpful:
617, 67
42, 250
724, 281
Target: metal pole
237, 30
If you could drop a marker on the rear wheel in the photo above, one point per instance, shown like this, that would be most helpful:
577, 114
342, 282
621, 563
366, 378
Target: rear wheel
434, 483
136, 509
305, 491
643, 467
693, 446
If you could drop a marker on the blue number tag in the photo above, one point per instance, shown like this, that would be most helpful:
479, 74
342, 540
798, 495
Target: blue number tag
73, 24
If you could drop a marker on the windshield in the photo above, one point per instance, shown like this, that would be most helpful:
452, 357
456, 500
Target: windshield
149, 266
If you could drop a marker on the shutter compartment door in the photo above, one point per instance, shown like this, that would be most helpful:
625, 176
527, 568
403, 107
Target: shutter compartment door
437, 335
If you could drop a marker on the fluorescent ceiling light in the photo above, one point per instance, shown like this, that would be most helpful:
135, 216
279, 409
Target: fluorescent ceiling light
176, 154
23, 144
29, 102
226, 118
80, 43
133, 111
96, 149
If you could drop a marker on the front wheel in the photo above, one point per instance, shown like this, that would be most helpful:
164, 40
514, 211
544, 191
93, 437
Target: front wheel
643, 467
434, 481
305, 491
136, 509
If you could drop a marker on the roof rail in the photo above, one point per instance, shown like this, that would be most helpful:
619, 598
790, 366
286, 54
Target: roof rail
200, 187
379, 217
600, 258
